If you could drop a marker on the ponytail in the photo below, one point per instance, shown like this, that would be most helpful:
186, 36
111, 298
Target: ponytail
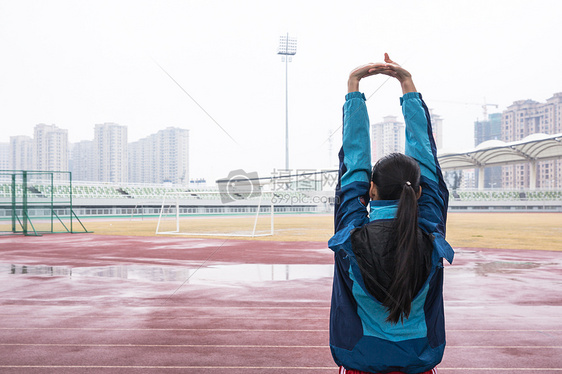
407, 259
397, 177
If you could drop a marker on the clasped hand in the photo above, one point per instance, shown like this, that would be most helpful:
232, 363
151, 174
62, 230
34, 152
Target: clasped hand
388, 67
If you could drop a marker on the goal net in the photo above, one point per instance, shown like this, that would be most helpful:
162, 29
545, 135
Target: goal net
205, 213
244, 205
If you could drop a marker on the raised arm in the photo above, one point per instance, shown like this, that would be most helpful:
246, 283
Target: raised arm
420, 145
352, 191
419, 139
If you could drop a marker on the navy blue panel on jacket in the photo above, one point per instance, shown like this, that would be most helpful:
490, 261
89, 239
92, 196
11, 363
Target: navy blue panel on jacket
360, 337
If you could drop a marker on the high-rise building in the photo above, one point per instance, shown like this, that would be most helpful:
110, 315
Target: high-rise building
468, 180
21, 153
82, 161
161, 157
524, 118
5, 162
111, 155
489, 129
140, 161
437, 128
172, 157
50, 148
386, 137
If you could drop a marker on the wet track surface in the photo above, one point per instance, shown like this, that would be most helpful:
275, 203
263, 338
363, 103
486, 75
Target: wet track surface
95, 304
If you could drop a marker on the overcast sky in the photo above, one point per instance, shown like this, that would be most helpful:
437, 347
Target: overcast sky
79, 63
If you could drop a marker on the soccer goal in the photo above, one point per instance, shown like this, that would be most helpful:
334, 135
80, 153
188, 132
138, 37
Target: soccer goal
212, 213
244, 205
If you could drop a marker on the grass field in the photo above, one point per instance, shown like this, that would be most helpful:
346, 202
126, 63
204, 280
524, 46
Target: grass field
540, 231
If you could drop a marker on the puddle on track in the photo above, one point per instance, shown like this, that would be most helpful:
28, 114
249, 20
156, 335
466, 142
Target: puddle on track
505, 267
207, 274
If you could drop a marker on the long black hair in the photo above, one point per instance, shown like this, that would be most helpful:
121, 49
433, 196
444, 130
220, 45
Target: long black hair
397, 177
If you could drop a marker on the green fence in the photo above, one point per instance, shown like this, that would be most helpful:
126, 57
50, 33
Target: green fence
37, 202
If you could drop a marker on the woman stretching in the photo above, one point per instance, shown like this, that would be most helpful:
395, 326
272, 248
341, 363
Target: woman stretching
387, 298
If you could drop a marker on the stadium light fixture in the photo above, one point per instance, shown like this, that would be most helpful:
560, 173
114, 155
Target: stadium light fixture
287, 49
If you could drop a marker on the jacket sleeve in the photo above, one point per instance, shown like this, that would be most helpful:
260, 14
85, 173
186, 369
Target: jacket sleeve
352, 190
420, 145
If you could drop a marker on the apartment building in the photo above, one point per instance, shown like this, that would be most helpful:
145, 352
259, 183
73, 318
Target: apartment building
50, 148
21, 153
82, 161
437, 128
386, 137
524, 118
489, 129
5, 163
110, 153
161, 157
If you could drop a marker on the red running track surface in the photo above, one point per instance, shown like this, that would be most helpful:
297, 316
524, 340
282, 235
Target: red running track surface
102, 304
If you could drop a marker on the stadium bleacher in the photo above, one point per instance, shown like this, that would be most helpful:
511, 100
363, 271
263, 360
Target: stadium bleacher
105, 191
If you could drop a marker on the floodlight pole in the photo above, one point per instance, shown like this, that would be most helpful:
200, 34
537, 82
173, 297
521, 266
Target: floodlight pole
287, 112
287, 48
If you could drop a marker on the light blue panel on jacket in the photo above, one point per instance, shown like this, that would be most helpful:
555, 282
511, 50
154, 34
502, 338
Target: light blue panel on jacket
383, 209
373, 315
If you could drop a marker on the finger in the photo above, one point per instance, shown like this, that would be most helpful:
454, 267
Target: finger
380, 69
377, 65
390, 73
361, 69
389, 61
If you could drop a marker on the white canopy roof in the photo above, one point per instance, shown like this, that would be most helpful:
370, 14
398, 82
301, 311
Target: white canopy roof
536, 147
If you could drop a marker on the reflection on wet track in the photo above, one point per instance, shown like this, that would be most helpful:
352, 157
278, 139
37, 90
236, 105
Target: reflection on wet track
208, 274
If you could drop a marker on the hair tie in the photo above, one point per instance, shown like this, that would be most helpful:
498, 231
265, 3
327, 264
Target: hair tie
408, 183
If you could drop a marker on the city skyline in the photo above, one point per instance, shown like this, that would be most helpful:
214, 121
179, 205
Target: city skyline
108, 157
437, 123
75, 64
482, 131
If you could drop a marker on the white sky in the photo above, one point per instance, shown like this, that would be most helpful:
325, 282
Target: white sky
78, 63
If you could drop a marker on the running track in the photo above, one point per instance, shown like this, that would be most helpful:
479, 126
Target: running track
107, 304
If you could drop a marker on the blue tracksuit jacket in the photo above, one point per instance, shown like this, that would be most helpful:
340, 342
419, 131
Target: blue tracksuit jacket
360, 338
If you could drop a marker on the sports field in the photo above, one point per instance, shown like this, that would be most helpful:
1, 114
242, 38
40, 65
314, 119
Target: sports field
123, 300
540, 231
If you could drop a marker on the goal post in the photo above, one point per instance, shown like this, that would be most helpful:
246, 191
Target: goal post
243, 205
204, 213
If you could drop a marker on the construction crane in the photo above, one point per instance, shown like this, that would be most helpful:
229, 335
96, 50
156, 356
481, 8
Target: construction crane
483, 106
